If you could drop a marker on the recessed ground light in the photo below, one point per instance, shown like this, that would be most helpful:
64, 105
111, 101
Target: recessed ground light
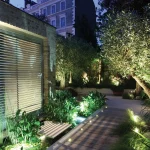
69, 140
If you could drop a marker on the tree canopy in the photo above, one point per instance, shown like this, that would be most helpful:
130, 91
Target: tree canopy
125, 42
73, 55
120, 5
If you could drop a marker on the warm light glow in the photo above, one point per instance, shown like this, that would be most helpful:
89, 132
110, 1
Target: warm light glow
135, 118
83, 106
136, 130
74, 116
81, 129
21, 146
90, 121
42, 138
69, 140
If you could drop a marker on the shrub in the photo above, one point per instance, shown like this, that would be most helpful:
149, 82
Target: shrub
128, 95
23, 128
131, 133
62, 108
91, 103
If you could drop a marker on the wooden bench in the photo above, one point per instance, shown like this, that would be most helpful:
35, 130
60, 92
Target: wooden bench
51, 129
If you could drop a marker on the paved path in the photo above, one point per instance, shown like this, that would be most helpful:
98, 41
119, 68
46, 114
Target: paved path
96, 132
118, 102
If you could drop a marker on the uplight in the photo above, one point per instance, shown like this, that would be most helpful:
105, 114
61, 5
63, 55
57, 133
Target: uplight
42, 138
69, 140
135, 118
136, 130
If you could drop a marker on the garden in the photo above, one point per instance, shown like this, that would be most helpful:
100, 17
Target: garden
22, 130
120, 63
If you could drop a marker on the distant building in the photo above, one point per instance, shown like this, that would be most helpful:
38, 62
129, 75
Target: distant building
7, 1
70, 17
29, 2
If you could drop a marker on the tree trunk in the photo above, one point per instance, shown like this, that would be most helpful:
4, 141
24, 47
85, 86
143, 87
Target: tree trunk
70, 78
99, 72
138, 89
143, 85
62, 81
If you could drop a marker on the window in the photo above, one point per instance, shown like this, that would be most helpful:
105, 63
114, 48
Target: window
35, 14
62, 22
62, 5
44, 12
19, 75
53, 9
53, 23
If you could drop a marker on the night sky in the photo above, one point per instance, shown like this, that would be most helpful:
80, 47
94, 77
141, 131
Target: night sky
20, 3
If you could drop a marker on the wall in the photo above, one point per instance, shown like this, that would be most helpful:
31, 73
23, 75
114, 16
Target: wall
20, 22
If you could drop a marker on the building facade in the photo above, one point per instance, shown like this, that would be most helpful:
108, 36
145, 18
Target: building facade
27, 61
63, 14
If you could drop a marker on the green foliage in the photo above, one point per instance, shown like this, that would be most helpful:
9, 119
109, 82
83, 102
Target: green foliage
130, 138
128, 95
62, 108
91, 103
73, 55
130, 141
119, 5
125, 39
145, 112
143, 95
23, 128
125, 44
1, 127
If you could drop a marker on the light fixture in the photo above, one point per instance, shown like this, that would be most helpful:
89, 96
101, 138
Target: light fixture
69, 140
136, 130
42, 138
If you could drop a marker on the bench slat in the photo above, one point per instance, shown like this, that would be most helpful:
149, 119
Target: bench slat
51, 129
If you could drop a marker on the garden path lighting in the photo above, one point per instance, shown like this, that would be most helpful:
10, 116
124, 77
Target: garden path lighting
136, 130
42, 138
69, 140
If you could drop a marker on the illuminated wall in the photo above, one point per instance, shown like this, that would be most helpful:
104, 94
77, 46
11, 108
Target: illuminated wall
27, 60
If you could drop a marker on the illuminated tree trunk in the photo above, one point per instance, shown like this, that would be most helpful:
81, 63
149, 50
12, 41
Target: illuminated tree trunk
138, 89
70, 78
143, 85
100, 68
62, 81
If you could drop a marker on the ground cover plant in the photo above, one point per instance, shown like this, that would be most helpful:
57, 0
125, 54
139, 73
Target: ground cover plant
92, 102
22, 131
133, 134
23, 128
62, 108
65, 108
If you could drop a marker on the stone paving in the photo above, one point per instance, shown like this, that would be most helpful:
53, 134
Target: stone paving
96, 133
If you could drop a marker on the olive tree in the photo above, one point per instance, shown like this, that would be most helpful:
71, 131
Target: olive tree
125, 39
73, 56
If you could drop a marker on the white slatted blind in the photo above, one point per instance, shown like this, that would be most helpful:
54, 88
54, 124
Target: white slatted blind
20, 75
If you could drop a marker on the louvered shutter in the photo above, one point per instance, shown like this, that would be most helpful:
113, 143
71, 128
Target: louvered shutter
20, 75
